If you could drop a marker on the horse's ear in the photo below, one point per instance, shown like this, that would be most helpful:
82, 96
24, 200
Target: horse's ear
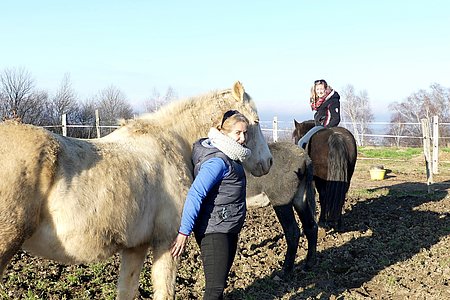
238, 91
295, 122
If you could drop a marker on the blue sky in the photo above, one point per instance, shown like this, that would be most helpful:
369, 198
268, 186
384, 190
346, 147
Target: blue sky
277, 49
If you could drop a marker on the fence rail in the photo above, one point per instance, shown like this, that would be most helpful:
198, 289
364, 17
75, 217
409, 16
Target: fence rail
276, 130
430, 136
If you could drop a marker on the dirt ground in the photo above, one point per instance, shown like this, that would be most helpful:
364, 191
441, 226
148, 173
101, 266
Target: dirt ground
395, 245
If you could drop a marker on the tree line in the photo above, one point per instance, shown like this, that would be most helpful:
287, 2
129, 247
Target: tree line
20, 99
406, 115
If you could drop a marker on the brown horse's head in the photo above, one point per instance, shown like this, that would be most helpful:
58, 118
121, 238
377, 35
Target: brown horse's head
300, 129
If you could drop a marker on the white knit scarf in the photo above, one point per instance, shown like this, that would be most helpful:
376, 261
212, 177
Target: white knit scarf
228, 146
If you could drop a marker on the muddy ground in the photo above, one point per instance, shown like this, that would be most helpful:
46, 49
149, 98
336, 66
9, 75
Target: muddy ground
395, 245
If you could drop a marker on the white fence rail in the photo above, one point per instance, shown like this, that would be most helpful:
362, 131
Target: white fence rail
276, 130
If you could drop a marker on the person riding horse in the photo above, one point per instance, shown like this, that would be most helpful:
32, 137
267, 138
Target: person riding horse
325, 101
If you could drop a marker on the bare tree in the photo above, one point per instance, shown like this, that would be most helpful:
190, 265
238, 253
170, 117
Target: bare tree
357, 111
19, 99
113, 106
419, 105
86, 116
157, 100
397, 129
63, 102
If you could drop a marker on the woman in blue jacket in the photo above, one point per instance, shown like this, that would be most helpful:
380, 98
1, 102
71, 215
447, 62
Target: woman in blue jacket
215, 206
325, 101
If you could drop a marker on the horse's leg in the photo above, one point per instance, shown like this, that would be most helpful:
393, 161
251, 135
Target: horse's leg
304, 204
132, 260
164, 272
342, 193
321, 190
17, 223
331, 198
285, 215
10, 243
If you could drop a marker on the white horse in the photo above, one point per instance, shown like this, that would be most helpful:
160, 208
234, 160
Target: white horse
80, 201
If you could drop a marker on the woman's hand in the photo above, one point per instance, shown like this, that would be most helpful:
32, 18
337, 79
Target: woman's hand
178, 245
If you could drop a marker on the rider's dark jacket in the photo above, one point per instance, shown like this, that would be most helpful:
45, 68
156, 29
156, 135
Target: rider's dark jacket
328, 114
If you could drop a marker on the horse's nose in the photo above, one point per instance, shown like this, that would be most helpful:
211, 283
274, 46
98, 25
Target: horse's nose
267, 165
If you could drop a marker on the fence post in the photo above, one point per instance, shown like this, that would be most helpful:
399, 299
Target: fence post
275, 129
426, 151
97, 123
435, 145
64, 124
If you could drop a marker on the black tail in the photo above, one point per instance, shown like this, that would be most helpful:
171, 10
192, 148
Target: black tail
337, 180
305, 195
310, 190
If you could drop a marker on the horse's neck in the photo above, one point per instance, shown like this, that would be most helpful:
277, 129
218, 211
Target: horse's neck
192, 118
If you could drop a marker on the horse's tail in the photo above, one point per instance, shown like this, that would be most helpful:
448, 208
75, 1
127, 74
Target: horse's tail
304, 198
337, 177
310, 190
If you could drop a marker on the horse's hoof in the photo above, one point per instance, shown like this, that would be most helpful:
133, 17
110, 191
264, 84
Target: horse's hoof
310, 262
339, 226
283, 275
331, 226
323, 224
309, 265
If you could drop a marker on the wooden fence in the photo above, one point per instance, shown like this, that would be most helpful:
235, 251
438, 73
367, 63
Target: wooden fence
276, 131
430, 140
430, 137
64, 126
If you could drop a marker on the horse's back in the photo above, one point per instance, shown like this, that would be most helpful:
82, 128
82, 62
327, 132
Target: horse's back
28, 156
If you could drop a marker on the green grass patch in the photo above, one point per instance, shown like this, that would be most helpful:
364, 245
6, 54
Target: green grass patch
368, 193
389, 152
392, 280
447, 149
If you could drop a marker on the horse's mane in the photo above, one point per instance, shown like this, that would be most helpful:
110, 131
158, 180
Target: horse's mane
195, 111
172, 111
307, 122
194, 104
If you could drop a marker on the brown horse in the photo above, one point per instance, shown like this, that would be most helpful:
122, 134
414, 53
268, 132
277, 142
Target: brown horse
79, 201
333, 153
289, 186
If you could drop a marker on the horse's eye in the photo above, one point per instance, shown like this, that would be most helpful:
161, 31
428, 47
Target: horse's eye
256, 122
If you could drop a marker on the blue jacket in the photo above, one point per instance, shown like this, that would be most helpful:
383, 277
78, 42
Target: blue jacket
216, 199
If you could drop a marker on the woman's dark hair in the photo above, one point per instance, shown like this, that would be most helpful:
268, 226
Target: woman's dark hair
230, 118
321, 81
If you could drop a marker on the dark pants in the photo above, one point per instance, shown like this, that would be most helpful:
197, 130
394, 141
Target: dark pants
218, 251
